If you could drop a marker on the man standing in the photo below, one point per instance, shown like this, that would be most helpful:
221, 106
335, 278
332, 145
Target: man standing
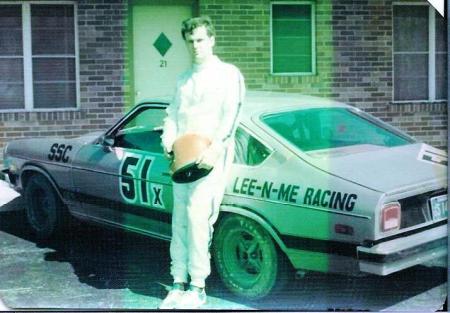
206, 103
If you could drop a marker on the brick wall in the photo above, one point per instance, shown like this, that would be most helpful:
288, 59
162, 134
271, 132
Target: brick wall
354, 65
354, 59
102, 39
364, 70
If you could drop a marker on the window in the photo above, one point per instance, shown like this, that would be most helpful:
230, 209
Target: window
317, 129
420, 50
248, 150
38, 59
293, 43
142, 131
11, 57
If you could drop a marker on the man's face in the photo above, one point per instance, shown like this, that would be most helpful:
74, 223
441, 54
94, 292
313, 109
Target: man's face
199, 44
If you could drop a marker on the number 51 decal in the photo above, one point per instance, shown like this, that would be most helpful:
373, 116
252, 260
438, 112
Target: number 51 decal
134, 185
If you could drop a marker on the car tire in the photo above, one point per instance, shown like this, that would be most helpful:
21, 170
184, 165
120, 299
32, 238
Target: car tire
45, 211
246, 258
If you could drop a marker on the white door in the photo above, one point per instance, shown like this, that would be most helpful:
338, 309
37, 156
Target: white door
159, 51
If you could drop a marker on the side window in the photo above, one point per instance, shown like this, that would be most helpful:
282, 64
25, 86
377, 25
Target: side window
142, 131
248, 150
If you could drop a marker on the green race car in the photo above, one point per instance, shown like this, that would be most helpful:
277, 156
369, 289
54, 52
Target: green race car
316, 185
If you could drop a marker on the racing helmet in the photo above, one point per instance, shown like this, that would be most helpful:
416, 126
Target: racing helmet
186, 150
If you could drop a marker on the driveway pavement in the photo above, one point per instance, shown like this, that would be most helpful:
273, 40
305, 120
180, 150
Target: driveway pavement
7, 196
91, 267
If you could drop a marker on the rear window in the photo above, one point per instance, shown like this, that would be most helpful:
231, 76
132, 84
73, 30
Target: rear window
328, 128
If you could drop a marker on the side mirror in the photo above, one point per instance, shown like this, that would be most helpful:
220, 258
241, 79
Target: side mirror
106, 141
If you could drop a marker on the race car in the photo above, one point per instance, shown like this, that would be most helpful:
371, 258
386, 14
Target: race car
316, 185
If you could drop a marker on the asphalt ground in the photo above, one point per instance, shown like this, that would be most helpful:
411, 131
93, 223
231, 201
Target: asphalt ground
89, 267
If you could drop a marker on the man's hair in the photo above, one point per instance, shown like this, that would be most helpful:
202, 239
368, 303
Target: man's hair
192, 23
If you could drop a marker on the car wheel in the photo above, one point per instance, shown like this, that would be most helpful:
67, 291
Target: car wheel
247, 259
45, 211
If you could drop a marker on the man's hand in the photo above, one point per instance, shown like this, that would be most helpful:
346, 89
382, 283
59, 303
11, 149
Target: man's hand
168, 155
209, 157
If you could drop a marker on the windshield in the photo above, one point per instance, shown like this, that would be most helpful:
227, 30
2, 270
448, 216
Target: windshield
328, 128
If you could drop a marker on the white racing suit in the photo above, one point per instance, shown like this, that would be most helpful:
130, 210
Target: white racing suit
207, 102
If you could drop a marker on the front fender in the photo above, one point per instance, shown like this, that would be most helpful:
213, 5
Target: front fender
30, 169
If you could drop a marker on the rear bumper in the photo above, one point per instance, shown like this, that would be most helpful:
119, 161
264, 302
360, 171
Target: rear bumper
397, 254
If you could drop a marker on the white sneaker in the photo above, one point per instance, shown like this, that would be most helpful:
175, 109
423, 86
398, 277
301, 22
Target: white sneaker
193, 298
172, 300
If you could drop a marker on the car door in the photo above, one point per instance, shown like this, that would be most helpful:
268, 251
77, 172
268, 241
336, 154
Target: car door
123, 178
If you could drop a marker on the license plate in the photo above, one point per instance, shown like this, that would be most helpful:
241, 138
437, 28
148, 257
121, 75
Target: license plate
439, 207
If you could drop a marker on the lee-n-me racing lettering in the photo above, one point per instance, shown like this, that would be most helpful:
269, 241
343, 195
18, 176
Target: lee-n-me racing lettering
58, 152
291, 193
330, 199
135, 187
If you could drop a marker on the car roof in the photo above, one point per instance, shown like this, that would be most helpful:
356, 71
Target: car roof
259, 102
269, 101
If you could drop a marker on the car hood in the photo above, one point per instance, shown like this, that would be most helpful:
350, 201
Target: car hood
88, 137
384, 169
38, 148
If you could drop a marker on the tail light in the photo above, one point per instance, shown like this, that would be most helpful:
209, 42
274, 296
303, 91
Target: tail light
390, 216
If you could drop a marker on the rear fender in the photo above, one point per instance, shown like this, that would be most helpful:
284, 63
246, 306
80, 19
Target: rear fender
257, 218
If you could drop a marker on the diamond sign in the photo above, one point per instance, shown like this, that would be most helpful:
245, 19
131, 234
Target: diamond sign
162, 44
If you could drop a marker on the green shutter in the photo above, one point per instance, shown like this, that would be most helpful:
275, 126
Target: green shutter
292, 38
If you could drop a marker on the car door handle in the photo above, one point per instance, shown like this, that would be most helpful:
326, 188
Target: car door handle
166, 174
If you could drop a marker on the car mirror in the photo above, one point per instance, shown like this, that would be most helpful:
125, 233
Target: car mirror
106, 141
